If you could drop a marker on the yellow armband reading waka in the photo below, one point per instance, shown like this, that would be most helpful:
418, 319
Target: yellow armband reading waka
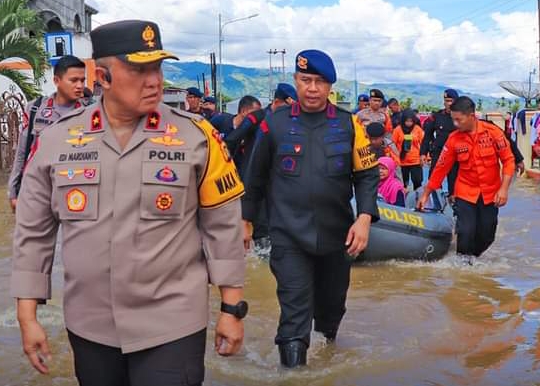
363, 158
221, 182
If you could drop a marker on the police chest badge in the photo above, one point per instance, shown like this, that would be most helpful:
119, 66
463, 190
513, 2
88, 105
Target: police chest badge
80, 139
168, 139
164, 201
70, 173
166, 174
76, 200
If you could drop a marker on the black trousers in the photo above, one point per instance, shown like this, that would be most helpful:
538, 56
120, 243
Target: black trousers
260, 225
178, 363
451, 177
413, 173
475, 227
309, 288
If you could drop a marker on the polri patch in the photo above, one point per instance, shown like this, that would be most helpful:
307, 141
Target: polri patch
166, 174
76, 200
288, 164
164, 201
46, 112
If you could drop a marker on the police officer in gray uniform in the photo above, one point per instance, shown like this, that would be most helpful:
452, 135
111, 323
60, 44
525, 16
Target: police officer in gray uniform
149, 202
307, 159
69, 77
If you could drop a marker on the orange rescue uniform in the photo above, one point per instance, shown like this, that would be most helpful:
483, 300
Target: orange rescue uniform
416, 136
478, 154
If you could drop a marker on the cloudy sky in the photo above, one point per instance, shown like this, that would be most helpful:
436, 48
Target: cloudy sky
466, 44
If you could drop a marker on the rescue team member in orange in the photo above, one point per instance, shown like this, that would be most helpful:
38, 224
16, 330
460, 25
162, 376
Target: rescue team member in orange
408, 138
477, 146
148, 200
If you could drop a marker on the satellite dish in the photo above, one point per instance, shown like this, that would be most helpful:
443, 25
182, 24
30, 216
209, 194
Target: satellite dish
527, 90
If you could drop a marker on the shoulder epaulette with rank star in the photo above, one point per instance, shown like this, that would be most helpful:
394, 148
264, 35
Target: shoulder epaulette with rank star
71, 114
185, 114
152, 122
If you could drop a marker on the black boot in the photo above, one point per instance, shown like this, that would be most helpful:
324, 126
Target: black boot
293, 354
330, 336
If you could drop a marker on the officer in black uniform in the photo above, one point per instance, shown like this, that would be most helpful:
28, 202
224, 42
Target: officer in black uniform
437, 128
307, 159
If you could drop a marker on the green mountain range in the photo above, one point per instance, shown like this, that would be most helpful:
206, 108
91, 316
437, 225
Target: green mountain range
239, 81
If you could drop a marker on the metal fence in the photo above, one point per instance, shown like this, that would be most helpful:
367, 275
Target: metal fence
11, 121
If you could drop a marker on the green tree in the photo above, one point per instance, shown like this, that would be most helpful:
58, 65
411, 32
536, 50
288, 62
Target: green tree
427, 108
406, 104
16, 22
479, 104
339, 96
514, 107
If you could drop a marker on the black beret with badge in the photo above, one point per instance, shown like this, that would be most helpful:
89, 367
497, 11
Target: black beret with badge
318, 63
133, 41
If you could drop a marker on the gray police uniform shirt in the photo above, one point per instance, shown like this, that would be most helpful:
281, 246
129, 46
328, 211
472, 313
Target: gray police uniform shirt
144, 229
47, 113
307, 165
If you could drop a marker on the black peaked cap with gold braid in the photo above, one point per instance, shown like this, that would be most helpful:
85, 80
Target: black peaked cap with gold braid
134, 41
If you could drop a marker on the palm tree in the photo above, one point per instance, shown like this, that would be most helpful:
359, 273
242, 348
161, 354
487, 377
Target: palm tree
16, 21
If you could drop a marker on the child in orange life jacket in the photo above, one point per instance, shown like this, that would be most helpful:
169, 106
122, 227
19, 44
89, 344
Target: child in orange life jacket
390, 187
408, 137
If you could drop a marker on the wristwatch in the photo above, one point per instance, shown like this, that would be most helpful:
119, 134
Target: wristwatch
239, 310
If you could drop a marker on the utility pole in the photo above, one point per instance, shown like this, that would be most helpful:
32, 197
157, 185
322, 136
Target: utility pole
283, 52
356, 84
222, 24
271, 69
538, 10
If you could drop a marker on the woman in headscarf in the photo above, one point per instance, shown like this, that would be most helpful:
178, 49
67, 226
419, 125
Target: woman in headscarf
408, 138
390, 187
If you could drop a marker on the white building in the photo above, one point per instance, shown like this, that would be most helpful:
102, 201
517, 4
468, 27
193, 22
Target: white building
73, 17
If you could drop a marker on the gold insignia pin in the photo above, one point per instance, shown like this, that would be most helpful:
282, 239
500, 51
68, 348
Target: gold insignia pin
168, 139
302, 62
148, 36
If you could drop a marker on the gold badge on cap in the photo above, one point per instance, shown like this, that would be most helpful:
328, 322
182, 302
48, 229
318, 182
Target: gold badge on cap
373, 94
302, 62
148, 36
446, 95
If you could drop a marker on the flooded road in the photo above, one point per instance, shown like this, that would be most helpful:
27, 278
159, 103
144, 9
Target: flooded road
430, 324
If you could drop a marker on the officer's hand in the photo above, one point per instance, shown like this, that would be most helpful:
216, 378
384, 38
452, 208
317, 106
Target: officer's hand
358, 236
257, 116
248, 234
35, 345
229, 335
423, 160
520, 168
422, 201
501, 198
13, 204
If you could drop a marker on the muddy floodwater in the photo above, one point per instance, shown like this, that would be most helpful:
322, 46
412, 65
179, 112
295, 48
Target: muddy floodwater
442, 323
